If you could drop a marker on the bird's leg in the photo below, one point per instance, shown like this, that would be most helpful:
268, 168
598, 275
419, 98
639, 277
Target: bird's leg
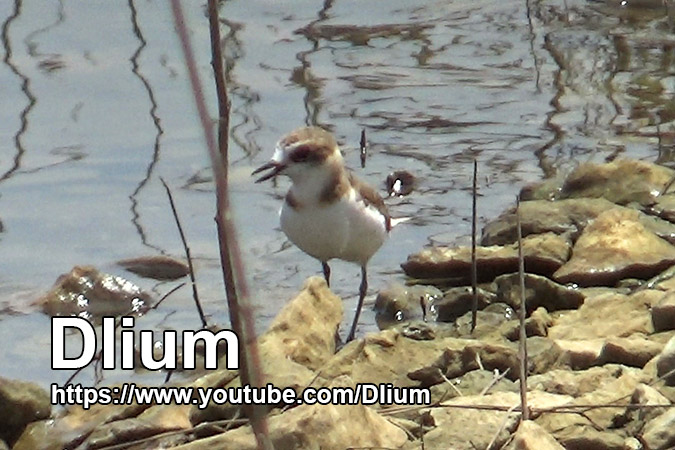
362, 295
326, 272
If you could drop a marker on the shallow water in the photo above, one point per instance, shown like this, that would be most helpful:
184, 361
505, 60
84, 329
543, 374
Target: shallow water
96, 108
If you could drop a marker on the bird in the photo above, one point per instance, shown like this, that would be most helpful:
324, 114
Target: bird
328, 212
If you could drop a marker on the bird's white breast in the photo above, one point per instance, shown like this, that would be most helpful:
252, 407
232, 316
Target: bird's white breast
345, 229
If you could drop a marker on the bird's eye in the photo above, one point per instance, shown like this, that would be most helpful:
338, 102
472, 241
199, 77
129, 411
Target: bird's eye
300, 154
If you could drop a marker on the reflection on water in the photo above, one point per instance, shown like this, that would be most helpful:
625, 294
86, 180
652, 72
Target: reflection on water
96, 108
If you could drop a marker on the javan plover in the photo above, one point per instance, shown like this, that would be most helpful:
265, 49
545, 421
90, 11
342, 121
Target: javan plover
328, 212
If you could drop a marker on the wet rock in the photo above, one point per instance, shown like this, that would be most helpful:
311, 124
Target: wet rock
456, 302
489, 323
21, 403
313, 427
543, 255
539, 292
666, 363
530, 436
607, 315
621, 181
616, 245
634, 351
659, 433
563, 217
158, 267
400, 183
663, 313
398, 303
86, 292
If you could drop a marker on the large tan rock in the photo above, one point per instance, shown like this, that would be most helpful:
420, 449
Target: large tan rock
21, 403
543, 255
326, 427
459, 427
607, 315
615, 246
530, 436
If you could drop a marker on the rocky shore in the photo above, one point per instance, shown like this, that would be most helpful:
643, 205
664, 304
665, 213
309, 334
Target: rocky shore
600, 293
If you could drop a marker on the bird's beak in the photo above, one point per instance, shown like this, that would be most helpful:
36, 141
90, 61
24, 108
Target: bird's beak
276, 167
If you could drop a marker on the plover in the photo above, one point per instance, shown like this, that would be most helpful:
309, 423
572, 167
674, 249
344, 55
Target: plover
328, 212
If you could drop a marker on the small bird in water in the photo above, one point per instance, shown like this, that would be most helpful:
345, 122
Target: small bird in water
328, 212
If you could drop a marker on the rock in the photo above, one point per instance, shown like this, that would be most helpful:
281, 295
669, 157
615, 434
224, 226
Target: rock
621, 181
581, 354
616, 245
666, 363
385, 357
663, 313
300, 340
86, 292
474, 382
634, 351
535, 325
457, 425
153, 421
539, 292
304, 330
582, 437
398, 303
70, 430
158, 267
659, 433
563, 217
578, 382
21, 403
607, 315
543, 255
315, 427
530, 436
457, 301
461, 356
647, 395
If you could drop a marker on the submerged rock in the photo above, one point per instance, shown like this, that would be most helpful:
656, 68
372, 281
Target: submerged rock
615, 246
86, 292
398, 303
159, 267
543, 255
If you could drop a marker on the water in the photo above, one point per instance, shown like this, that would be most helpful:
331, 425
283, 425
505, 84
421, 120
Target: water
97, 107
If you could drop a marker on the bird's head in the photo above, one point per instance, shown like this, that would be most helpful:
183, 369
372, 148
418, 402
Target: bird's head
300, 153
